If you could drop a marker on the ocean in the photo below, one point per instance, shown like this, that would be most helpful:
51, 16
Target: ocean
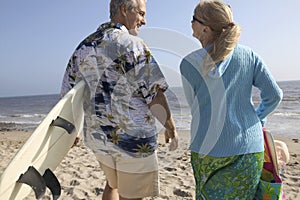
25, 113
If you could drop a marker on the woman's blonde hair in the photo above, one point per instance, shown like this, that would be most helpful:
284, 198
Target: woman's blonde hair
218, 16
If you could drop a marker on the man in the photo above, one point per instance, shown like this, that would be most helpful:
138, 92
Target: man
125, 93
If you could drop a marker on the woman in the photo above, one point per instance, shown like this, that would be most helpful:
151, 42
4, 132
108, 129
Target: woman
227, 139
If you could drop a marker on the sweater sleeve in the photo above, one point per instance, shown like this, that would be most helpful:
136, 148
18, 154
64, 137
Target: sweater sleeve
270, 93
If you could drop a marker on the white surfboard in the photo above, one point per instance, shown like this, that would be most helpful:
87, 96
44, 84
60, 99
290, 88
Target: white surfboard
32, 167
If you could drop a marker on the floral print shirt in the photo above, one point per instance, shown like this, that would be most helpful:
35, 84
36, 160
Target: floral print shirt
122, 78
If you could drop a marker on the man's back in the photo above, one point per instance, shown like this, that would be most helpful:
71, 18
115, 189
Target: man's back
123, 77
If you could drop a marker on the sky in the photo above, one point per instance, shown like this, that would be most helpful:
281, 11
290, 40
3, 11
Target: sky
38, 37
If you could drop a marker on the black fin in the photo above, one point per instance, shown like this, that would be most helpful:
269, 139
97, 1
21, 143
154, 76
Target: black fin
52, 183
34, 179
63, 123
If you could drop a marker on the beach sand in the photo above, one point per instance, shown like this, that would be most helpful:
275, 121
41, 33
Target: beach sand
81, 177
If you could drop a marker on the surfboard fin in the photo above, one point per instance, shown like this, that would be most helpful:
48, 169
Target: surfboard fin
63, 123
52, 183
34, 179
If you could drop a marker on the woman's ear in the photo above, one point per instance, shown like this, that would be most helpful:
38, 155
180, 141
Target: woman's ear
206, 29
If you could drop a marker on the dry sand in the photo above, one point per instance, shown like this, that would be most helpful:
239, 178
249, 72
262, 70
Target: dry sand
81, 177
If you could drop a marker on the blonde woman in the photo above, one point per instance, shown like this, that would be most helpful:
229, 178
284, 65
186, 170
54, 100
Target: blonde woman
226, 129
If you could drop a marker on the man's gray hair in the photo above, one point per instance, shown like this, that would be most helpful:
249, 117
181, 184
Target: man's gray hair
116, 4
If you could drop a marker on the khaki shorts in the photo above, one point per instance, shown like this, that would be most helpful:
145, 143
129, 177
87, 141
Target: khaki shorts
133, 177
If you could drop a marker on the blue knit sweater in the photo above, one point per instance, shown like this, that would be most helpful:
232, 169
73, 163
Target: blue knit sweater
224, 120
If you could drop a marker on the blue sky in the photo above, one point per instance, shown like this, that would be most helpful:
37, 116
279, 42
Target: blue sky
38, 37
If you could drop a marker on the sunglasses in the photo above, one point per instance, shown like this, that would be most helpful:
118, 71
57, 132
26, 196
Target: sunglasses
197, 20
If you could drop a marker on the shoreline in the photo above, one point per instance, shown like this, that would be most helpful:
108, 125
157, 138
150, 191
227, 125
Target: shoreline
81, 177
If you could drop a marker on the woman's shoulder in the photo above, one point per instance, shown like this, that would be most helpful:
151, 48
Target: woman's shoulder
196, 55
246, 51
242, 48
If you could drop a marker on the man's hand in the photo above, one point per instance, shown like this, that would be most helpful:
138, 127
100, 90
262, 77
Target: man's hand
169, 134
76, 141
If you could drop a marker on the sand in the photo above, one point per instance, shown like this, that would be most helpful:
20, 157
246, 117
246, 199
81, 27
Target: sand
81, 177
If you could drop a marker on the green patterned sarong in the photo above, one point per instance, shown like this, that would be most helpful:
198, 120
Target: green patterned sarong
234, 177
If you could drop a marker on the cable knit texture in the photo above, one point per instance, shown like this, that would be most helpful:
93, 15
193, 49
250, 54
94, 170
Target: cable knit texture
224, 119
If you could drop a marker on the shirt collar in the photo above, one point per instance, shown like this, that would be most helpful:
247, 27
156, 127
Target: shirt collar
108, 25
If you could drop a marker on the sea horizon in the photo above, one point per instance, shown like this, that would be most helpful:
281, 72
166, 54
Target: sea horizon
27, 112
46, 94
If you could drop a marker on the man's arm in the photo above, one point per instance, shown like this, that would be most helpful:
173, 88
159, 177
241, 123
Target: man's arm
160, 109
